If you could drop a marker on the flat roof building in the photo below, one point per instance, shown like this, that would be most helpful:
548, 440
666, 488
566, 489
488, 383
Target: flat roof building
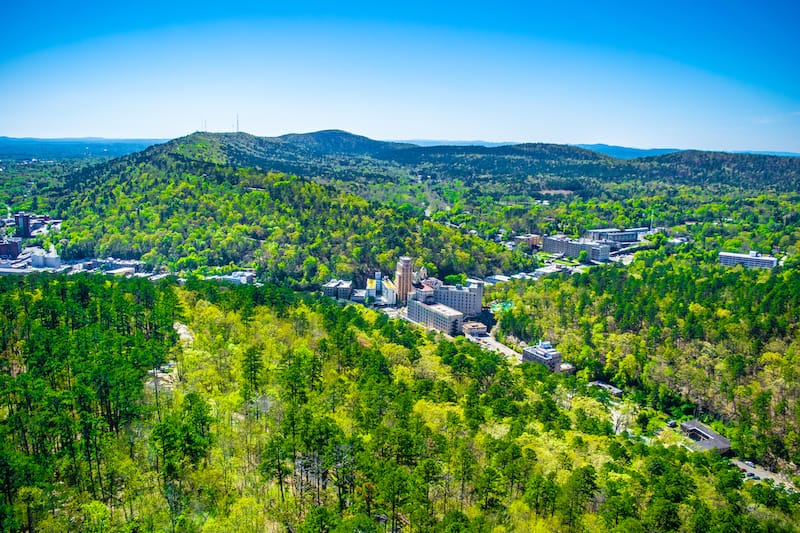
436, 316
559, 244
338, 288
531, 239
10, 248
616, 235
388, 292
751, 260
23, 223
474, 328
705, 438
607, 386
543, 353
468, 300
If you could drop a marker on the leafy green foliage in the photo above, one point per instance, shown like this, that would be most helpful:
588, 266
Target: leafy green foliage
351, 422
680, 326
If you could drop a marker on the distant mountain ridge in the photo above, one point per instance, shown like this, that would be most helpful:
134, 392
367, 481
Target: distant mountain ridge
342, 156
624, 152
70, 148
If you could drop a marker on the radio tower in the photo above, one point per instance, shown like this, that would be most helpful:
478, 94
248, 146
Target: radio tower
237, 123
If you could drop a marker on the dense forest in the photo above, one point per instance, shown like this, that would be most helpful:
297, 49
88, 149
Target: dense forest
277, 411
127, 405
685, 335
184, 214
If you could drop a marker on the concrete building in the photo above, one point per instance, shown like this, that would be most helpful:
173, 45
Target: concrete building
389, 292
531, 239
344, 289
543, 353
476, 329
359, 295
242, 277
422, 309
22, 221
751, 260
616, 235
329, 289
338, 288
372, 290
559, 244
468, 300
705, 438
10, 248
403, 278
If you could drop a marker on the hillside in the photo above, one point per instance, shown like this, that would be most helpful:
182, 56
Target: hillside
281, 412
180, 205
305, 207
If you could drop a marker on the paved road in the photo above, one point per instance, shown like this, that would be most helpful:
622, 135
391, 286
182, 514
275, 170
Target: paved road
490, 343
764, 474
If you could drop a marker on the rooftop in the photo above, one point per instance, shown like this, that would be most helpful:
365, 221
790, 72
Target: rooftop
445, 310
704, 437
752, 253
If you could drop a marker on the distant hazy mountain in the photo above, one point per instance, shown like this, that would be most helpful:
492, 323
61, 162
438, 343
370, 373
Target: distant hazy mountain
27, 148
780, 154
623, 152
433, 142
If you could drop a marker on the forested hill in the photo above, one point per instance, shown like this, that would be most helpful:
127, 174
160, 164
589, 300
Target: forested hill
743, 170
183, 205
341, 154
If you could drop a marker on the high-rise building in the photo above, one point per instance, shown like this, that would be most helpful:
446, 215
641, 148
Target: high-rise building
423, 309
23, 224
468, 299
403, 278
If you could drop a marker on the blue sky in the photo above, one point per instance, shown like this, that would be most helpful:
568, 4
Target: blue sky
709, 75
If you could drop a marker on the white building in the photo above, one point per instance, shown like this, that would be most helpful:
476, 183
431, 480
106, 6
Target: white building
468, 300
543, 353
751, 260
389, 292
436, 316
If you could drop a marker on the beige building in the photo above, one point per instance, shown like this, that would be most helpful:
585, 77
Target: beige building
531, 239
468, 299
403, 278
559, 244
423, 310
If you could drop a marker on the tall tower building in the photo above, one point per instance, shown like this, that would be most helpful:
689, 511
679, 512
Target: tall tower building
403, 278
23, 223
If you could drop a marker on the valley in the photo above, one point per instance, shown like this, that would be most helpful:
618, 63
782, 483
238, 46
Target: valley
288, 411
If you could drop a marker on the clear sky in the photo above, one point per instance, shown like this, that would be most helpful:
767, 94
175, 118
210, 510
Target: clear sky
706, 74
